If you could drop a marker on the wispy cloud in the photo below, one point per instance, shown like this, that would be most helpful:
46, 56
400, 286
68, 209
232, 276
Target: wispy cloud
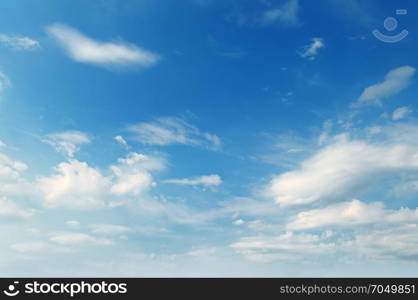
67, 142
349, 164
208, 180
395, 81
401, 112
4, 82
287, 246
19, 42
84, 49
288, 14
351, 213
121, 141
170, 130
10, 209
311, 51
109, 229
78, 239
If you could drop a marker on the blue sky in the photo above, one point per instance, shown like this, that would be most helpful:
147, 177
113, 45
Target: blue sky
207, 138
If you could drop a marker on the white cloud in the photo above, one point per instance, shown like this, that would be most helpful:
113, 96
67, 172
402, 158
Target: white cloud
12, 182
398, 243
401, 112
287, 246
352, 213
10, 209
73, 223
121, 141
343, 168
10, 169
84, 49
239, 222
133, 175
4, 82
288, 14
395, 81
203, 252
25, 247
19, 42
76, 185
167, 131
208, 180
76, 239
311, 51
109, 229
67, 142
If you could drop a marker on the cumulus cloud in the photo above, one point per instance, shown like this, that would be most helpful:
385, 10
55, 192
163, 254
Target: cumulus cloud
311, 51
351, 213
132, 173
19, 42
75, 185
401, 112
170, 130
84, 49
343, 167
208, 180
288, 14
395, 81
67, 142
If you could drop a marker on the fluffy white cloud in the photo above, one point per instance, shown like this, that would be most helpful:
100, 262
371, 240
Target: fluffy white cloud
288, 14
132, 174
343, 167
10, 209
67, 142
75, 185
108, 229
19, 42
395, 81
349, 214
76, 239
105, 54
208, 180
311, 51
166, 131
401, 112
